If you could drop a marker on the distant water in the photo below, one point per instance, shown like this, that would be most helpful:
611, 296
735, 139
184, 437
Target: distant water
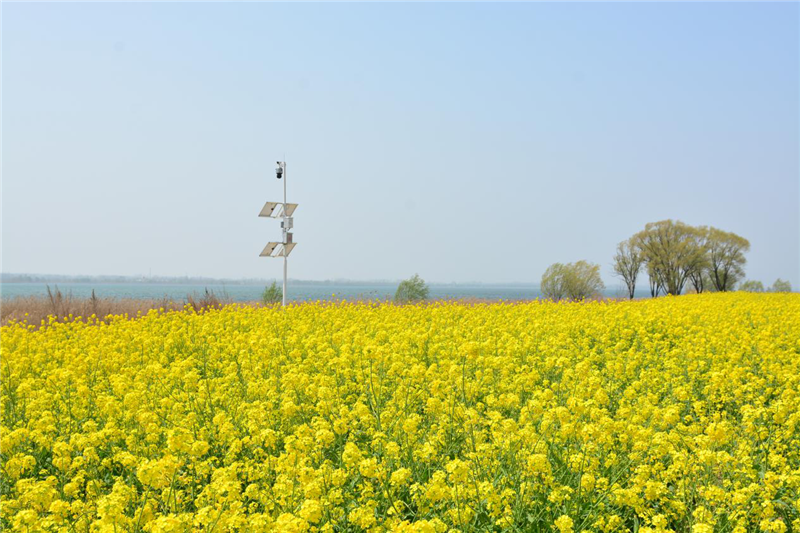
296, 291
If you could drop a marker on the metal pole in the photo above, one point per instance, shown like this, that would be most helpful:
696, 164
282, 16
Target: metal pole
285, 229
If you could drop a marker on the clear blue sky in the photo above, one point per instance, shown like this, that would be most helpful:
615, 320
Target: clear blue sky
461, 141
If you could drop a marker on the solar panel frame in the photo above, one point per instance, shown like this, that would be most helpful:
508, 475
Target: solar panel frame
287, 248
269, 249
269, 210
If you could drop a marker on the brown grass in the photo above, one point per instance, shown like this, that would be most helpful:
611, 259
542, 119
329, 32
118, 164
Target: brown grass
36, 309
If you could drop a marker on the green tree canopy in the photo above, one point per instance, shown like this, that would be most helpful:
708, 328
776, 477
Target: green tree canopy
673, 251
576, 281
752, 286
272, 294
413, 289
781, 286
554, 282
726, 258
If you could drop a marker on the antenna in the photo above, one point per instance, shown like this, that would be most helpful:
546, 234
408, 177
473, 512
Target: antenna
284, 211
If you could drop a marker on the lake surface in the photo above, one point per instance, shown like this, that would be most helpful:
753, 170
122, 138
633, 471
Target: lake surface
296, 291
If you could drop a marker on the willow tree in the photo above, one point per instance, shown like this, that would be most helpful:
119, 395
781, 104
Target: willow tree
554, 282
576, 281
781, 285
672, 251
627, 264
726, 258
751, 286
698, 268
655, 280
583, 280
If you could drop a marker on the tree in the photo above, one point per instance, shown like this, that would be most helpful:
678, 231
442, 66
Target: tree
697, 269
576, 281
272, 294
672, 251
554, 282
781, 286
654, 277
583, 280
627, 264
413, 289
676, 254
752, 286
726, 258
708, 284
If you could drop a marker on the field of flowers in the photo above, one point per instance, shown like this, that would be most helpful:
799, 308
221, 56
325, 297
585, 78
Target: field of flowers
677, 414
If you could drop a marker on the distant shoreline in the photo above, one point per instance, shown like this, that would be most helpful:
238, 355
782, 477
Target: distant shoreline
35, 309
12, 278
297, 291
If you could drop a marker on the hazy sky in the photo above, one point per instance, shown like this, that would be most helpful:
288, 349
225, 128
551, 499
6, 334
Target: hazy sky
461, 141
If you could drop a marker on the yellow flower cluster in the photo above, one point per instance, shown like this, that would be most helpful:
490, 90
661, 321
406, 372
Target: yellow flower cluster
669, 415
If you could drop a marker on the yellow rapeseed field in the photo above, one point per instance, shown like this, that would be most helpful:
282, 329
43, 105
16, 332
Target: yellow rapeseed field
678, 414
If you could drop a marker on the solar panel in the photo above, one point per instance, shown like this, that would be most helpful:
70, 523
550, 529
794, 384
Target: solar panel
269, 209
268, 249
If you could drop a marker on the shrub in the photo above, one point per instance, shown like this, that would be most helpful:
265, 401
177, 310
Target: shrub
413, 289
272, 294
576, 281
781, 286
752, 286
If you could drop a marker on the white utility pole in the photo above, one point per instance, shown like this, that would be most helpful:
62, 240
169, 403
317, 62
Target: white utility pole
285, 247
285, 230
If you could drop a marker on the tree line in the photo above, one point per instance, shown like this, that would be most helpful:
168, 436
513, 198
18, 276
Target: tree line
674, 255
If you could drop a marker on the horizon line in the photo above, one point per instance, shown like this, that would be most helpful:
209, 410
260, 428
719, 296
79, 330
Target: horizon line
139, 278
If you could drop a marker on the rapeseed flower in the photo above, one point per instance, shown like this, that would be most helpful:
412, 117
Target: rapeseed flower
671, 415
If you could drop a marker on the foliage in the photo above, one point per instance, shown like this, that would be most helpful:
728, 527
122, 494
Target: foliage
673, 252
627, 264
554, 282
726, 258
670, 415
411, 290
272, 294
781, 286
752, 286
697, 272
583, 280
676, 254
576, 281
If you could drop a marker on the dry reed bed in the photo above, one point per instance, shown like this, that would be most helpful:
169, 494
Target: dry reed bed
37, 309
